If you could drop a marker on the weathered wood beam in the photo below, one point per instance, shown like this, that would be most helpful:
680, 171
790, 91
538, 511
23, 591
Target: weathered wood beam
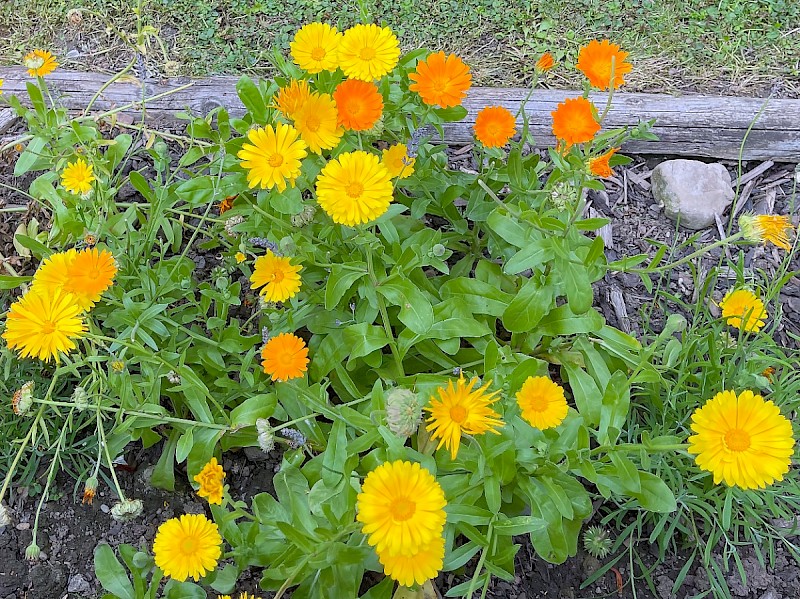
709, 126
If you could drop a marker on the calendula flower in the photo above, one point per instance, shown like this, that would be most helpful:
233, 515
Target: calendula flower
595, 61
415, 569
574, 121
43, 324
210, 480
460, 409
315, 47
240, 257
542, 402
1, 86
292, 97
545, 62
318, 123
763, 228
40, 63
89, 490
189, 546
86, 274
742, 440
284, 357
397, 162
599, 166
495, 126
354, 188
441, 80
277, 275
225, 205
402, 508
359, 104
743, 310
77, 177
274, 156
368, 52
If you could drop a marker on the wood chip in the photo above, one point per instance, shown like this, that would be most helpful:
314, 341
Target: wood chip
464, 150
640, 179
743, 197
605, 232
750, 175
7, 119
617, 301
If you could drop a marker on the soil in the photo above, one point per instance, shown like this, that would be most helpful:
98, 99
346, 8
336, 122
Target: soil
69, 531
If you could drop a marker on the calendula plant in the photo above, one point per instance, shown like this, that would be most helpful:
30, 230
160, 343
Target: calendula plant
420, 341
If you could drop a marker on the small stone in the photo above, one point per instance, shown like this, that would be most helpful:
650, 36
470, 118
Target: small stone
42, 556
770, 593
692, 191
78, 584
23, 526
104, 508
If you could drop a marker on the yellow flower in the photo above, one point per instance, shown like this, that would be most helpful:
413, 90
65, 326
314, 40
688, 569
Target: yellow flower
542, 402
189, 546
415, 569
354, 188
397, 162
292, 97
461, 410
315, 47
767, 227
85, 274
241, 596
744, 441
210, 479
77, 177
368, 52
743, 310
318, 123
40, 63
402, 508
284, 357
43, 323
277, 275
240, 257
274, 157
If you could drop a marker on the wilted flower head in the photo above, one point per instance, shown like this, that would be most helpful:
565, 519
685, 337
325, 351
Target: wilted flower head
127, 510
763, 228
23, 399
80, 398
231, 223
89, 490
305, 217
266, 437
5, 519
403, 412
173, 377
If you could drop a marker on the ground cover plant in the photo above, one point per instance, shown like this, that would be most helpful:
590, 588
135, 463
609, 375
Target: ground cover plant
421, 342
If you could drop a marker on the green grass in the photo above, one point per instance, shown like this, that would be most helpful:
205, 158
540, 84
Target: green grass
729, 46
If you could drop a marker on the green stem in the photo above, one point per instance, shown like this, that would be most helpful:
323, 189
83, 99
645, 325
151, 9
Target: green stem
50, 477
610, 91
685, 259
385, 316
18, 457
473, 583
103, 442
105, 86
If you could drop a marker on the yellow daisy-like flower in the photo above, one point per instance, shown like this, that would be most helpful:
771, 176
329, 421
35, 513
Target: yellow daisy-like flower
240, 257
354, 188
85, 274
415, 569
210, 480
743, 441
39, 63
765, 228
277, 275
292, 97
402, 508
460, 409
44, 323
284, 357
743, 310
368, 52
187, 546
274, 156
397, 162
315, 47
77, 177
318, 123
542, 402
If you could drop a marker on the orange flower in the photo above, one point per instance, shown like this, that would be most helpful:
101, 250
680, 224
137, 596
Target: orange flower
596, 59
291, 98
574, 122
545, 63
441, 80
226, 204
285, 357
599, 166
359, 104
495, 126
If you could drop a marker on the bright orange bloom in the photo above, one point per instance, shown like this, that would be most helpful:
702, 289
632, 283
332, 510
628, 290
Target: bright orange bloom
545, 63
226, 204
595, 60
574, 121
291, 98
285, 357
599, 166
441, 80
359, 104
495, 126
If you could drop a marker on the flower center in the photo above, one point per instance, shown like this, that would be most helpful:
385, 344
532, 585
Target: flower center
402, 509
48, 327
354, 189
458, 414
439, 85
367, 53
312, 124
538, 403
354, 108
737, 440
277, 276
189, 545
275, 160
318, 54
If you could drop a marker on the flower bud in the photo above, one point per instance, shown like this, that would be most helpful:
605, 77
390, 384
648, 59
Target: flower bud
403, 412
80, 398
89, 490
32, 552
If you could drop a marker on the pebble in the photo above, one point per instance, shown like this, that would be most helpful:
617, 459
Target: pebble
78, 584
104, 508
23, 526
692, 192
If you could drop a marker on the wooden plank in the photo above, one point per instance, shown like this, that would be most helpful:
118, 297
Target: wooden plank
708, 126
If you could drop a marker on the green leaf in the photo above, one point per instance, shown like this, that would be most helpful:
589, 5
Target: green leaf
476, 296
255, 407
416, 311
111, 574
656, 495
335, 455
37, 248
562, 321
362, 339
614, 413
29, 156
184, 446
342, 277
520, 525
8, 282
508, 228
163, 476
535, 253
528, 307
588, 398
251, 97
576, 284
183, 590
117, 149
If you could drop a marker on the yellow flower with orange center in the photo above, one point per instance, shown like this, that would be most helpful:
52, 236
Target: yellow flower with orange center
354, 188
318, 123
358, 103
368, 52
279, 277
397, 162
574, 121
495, 126
596, 61
210, 480
39, 63
542, 402
441, 80
284, 357
599, 166
77, 177
240, 257
273, 158
189, 546
763, 228
292, 97
315, 47
743, 310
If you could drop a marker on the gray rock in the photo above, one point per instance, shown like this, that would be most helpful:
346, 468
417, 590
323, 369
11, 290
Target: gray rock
78, 584
692, 191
